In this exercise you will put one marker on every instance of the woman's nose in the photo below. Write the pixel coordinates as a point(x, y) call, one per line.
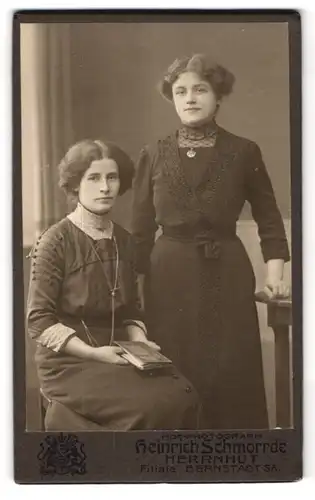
point(104, 186)
point(190, 97)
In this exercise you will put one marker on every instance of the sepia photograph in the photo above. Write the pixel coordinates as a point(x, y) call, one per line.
point(156, 167)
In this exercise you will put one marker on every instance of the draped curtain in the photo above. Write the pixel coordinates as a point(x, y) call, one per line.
point(46, 109)
point(46, 127)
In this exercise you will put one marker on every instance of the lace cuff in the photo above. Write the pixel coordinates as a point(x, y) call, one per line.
point(56, 336)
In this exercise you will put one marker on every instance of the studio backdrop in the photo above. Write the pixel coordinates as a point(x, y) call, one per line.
point(100, 81)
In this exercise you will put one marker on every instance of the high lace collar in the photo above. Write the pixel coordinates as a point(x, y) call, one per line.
point(95, 225)
point(198, 133)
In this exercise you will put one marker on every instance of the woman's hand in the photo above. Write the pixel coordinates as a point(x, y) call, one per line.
point(276, 288)
point(151, 344)
point(109, 354)
point(136, 334)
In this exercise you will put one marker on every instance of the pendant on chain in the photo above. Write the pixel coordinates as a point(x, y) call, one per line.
point(191, 153)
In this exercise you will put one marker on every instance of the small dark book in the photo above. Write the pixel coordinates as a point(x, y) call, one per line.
point(143, 356)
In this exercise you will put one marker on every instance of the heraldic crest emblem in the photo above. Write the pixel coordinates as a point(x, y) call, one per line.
point(62, 454)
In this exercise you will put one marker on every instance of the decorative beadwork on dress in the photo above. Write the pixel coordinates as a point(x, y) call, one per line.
point(182, 193)
point(192, 208)
point(40, 266)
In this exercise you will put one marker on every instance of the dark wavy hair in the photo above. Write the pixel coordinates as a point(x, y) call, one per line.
point(220, 79)
point(79, 158)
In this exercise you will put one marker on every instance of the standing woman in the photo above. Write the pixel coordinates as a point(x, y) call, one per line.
point(83, 297)
point(197, 281)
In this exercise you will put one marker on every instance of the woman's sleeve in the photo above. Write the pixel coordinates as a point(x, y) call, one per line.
point(143, 213)
point(44, 292)
point(260, 194)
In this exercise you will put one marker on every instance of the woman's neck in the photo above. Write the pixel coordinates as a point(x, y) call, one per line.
point(92, 220)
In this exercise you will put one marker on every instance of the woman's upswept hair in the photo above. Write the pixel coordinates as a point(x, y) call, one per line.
point(220, 79)
point(79, 158)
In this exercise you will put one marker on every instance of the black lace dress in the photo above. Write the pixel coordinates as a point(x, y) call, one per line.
point(200, 283)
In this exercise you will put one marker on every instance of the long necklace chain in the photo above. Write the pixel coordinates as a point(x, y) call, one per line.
point(113, 292)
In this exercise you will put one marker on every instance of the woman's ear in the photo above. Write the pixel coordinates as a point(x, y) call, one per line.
point(75, 194)
point(73, 198)
point(217, 107)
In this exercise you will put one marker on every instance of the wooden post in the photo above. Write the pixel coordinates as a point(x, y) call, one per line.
point(280, 319)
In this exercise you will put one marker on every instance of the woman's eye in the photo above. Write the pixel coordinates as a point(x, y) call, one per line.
point(112, 177)
point(201, 90)
point(94, 177)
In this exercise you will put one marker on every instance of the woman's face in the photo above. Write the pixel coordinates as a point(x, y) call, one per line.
point(99, 186)
point(194, 99)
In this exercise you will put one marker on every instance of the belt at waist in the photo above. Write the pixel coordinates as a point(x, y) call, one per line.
point(206, 238)
point(94, 331)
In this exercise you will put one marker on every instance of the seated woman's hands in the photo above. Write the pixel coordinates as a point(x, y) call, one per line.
point(150, 343)
point(112, 354)
point(136, 334)
point(109, 354)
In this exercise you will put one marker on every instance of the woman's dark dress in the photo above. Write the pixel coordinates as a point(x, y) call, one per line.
point(200, 283)
point(67, 285)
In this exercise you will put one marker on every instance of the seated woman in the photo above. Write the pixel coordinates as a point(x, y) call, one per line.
point(82, 298)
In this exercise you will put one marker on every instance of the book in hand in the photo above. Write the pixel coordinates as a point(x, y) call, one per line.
point(143, 356)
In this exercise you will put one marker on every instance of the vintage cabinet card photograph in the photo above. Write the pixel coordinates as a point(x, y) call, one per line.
point(157, 240)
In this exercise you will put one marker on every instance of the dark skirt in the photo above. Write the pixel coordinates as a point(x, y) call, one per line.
point(89, 395)
point(203, 314)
